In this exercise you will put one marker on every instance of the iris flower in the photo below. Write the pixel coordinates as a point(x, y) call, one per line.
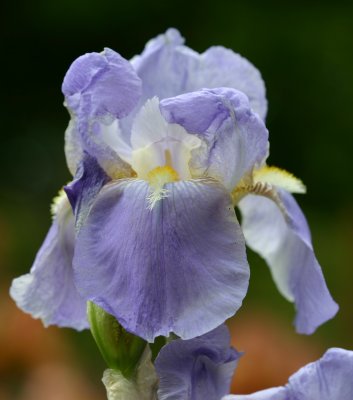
point(162, 148)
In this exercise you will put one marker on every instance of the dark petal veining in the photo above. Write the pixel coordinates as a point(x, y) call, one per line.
point(180, 267)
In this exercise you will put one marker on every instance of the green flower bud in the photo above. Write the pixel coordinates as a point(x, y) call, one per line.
point(121, 350)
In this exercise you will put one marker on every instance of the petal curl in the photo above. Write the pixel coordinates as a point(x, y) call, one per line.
point(197, 369)
point(236, 138)
point(284, 242)
point(73, 147)
point(82, 191)
point(329, 378)
point(168, 68)
point(97, 84)
point(99, 88)
point(48, 292)
point(180, 267)
point(101, 139)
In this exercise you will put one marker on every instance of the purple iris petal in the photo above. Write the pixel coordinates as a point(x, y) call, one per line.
point(197, 369)
point(236, 138)
point(330, 378)
point(97, 84)
point(180, 267)
point(98, 88)
point(99, 139)
point(168, 68)
point(48, 291)
point(286, 246)
point(82, 191)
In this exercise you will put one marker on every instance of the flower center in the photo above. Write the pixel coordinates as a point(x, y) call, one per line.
point(157, 143)
point(170, 152)
point(157, 178)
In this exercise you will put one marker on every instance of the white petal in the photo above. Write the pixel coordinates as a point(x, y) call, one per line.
point(157, 143)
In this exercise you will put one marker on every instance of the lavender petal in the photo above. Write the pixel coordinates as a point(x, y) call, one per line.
point(48, 292)
point(180, 267)
point(236, 138)
point(197, 369)
point(169, 68)
point(284, 242)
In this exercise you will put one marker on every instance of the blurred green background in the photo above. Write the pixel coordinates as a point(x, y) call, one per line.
point(304, 51)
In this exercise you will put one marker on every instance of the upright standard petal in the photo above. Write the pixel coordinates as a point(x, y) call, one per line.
point(48, 292)
point(235, 138)
point(97, 84)
point(330, 378)
point(99, 88)
point(180, 267)
point(282, 238)
point(197, 369)
point(168, 68)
